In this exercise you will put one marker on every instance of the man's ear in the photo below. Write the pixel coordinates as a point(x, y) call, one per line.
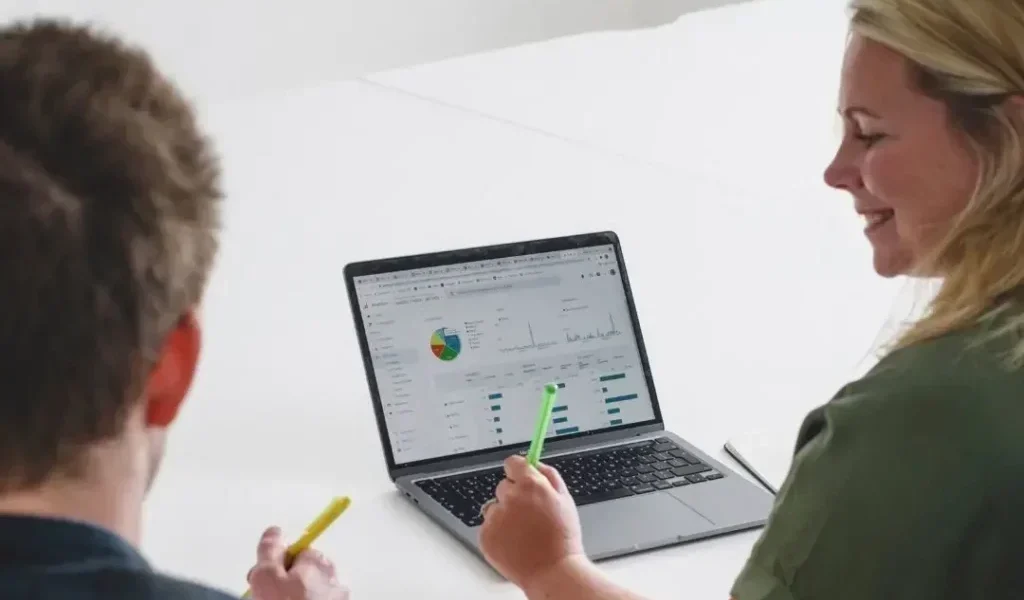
point(171, 377)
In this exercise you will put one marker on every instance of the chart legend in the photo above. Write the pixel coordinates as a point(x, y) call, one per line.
point(445, 344)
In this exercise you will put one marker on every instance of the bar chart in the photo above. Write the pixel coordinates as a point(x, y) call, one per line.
point(617, 392)
point(560, 420)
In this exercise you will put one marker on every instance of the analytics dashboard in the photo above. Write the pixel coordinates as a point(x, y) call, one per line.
point(461, 353)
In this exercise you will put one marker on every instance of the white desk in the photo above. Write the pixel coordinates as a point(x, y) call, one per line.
point(757, 302)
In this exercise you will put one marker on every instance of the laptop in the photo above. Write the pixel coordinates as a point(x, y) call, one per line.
point(458, 346)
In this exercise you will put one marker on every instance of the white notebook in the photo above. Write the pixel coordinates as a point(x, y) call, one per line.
point(766, 456)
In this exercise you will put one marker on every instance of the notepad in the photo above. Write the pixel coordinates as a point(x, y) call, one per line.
point(765, 455)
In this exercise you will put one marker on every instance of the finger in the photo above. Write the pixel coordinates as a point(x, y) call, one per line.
point(487, 506)
point(554, 478)
point(502, 491)
point(526, 475)
point(265, 578)
point(312, 567)
point(516, 468)
point(271, 548)
point(492, 516)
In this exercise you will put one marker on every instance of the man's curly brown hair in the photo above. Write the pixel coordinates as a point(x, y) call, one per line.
point(109, 216)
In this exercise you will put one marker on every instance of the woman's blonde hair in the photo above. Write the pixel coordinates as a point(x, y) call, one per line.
point(968, 54)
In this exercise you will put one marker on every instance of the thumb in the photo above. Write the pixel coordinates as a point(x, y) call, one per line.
point(553, 477)
point(271, 548)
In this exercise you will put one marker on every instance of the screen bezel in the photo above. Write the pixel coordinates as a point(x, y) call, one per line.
point(483, 253)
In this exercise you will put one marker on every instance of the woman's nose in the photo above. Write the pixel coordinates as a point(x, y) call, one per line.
point(842, 173)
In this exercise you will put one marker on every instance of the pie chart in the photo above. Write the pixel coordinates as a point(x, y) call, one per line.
point(445, 344)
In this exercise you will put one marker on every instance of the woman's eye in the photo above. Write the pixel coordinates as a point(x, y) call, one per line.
point(869, 139)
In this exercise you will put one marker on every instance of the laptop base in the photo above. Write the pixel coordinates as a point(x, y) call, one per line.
point(640, 522)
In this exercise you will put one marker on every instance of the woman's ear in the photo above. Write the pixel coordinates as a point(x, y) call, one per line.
point(1015, 106)
point(171, 377)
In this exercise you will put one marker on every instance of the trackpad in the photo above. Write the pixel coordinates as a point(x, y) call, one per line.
point(638, 521)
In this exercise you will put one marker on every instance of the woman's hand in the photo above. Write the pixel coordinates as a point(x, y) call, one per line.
point(532, 527)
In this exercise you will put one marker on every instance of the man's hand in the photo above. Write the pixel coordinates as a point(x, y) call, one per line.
point(311, 577)
point(532, 526)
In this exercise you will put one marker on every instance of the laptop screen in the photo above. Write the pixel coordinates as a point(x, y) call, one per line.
point(461, 352)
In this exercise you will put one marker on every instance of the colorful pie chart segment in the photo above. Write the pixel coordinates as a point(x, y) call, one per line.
point(445, 344)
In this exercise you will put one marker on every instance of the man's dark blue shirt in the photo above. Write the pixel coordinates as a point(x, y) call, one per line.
point(53, 559)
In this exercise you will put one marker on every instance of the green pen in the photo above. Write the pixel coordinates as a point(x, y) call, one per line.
point(546, 406)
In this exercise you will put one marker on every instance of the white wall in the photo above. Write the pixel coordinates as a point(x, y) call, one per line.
point(220, 48)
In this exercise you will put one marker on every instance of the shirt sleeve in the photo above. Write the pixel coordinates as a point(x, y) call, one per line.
point(793, 525)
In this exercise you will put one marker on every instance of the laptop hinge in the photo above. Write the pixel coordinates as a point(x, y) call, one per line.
point(551, 448)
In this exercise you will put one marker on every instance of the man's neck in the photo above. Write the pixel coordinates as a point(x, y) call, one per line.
point(105, 498)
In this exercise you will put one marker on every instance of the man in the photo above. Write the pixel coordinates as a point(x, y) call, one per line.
point(109, 218)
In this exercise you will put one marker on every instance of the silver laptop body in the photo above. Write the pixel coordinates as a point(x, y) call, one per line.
point(457, 346)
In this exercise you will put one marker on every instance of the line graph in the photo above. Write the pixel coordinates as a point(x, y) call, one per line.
point(570, 335)
point(596, 334)
point(533, 345)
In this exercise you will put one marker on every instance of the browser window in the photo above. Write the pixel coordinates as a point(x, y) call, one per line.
point(460, 353)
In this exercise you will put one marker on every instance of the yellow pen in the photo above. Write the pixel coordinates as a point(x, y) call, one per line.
point(313, 531)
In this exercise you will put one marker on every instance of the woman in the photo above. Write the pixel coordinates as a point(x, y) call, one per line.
point(908, 484)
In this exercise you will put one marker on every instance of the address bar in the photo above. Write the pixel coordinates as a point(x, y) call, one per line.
point(506, 286)
point(492, 271)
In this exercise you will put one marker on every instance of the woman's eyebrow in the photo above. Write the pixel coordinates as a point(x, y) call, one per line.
point(851, 111)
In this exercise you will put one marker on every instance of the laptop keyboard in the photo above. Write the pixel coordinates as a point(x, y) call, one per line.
point(592, 476)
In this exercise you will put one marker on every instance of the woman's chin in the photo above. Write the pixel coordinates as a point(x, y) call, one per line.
point(891, 262)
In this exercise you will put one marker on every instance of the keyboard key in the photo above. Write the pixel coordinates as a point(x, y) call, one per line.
point(664, 446)
point(648, 478)
point(661, 466)
point(645, 469)
point(683, 454)
point(680, 483)
point(643, 489)
point(603, 496)
point(713, 476)
point(661, 456)
point(678, 462)
point(664, 475)
point(695, 478)
point(662, 485)
point(689, 470)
